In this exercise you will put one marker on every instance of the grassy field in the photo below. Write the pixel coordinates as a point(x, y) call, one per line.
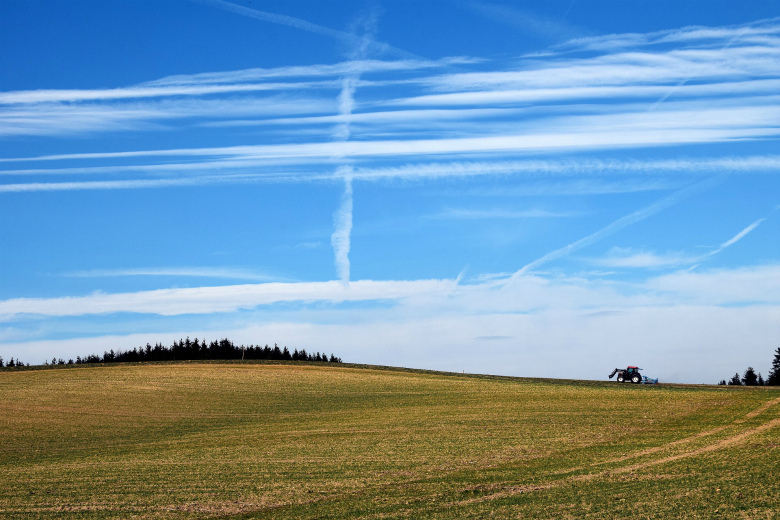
point(291, 440)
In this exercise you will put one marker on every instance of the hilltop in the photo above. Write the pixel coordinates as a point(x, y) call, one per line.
point(305, 440)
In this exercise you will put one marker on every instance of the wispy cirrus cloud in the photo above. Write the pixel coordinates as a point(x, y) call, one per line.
point(759, 32)
point(747, 285)
point(578, 175)
point(628, 258)
point(53, 119)
point(618, 225)
point(622, 258)
point(530, 23)
point(206, 300)
point(225, 273)
point(631, 130)
point(324, 70)
point(349, 38)
point(567, 92)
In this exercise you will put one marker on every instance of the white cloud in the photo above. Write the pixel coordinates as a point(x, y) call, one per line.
point(627, 69)
point(65, 118)
point(585, 173)
point(747, 125)
point(199, 272)
point(630, 258)
point(761, 31)
point(530, 293)
point(205, 300)
point(618, 225)
point(335, 70)
point(747, 285)
point(547, 327)
point(494, 95)
point(132, 184)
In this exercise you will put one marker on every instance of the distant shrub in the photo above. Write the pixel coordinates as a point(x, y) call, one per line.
point(735, 380)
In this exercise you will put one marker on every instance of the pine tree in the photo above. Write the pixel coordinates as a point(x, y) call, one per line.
point(761, 381)
point(773, 378)
point(750, 378)
point(736, 380)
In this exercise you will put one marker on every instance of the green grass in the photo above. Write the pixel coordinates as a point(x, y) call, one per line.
point(276, 440)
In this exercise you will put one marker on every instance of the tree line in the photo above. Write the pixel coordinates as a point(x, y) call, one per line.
point(751, 378)
point(192, 350)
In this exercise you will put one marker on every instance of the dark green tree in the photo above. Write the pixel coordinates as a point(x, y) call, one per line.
point(736, 380)
point(749, 378)
point(773, 378)
point(761, 381)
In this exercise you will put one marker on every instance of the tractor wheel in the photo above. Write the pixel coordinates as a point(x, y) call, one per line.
point(636, 379)
point(620, 378)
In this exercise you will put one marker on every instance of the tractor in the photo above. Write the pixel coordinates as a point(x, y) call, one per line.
point(627, 375)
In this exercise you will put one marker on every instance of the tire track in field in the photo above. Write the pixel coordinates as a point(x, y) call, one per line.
point(725, 443)
point(761, 409)
point(717, 445)
point(649, 451)
point(507, 489)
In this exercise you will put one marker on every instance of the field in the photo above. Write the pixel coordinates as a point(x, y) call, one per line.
point(264, 440)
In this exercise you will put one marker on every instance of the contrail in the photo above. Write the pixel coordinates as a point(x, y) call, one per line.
point(619, 224)
point(685, 80)
point(348, 38)
point(728, 243)
point(342, 220)
point(736, 238)
point(346, 105)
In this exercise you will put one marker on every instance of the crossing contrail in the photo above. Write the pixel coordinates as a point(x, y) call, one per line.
point(350, 39)
point(619, 224)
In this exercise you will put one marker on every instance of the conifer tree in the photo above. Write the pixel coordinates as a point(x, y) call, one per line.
point(773, 378)
point(749, 378)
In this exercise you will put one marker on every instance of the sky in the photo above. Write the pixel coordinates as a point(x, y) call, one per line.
point(541, 189)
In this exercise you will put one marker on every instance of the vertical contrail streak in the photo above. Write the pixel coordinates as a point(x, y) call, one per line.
point(342, 221)
point(342, 218)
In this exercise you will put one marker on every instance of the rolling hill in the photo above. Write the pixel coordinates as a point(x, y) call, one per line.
point(306, 440)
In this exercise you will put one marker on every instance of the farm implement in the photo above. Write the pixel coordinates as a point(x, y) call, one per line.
point(632, 375)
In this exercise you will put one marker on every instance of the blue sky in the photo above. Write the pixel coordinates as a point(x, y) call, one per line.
point(521, 188)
